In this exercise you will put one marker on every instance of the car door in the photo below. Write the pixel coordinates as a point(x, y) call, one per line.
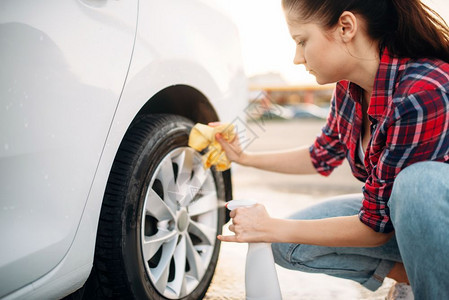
point(63, 67)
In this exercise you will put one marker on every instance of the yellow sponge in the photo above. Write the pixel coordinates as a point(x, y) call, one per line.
point(203, 136)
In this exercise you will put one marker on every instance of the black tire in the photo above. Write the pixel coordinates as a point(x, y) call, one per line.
point(122, 268)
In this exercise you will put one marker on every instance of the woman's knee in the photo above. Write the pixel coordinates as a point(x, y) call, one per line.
point(292, 256)
point(281, 254)
point(416, 182)
point(404, 186)
point(302, 257)
point(416, 190)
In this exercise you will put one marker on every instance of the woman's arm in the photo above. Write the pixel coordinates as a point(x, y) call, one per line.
point(253, 224)
point(346, 231)
point(294, 161)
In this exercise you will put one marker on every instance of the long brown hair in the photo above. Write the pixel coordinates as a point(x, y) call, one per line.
point(407, 28)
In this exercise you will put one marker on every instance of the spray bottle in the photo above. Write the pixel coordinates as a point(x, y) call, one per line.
point(261, 280)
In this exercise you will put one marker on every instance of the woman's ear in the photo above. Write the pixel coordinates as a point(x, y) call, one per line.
point(347, 26)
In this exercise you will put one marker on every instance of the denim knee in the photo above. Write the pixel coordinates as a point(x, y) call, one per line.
point(411, 186)
point(300, 257)
point(280, 253)
point(283, 255)
point(403, 184)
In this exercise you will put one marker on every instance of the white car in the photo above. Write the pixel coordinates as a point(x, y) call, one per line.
point(100, 197)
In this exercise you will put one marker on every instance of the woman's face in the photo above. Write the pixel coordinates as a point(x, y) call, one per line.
point(321, 52)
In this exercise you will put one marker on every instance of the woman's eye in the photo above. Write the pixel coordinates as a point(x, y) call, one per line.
point(301, 43)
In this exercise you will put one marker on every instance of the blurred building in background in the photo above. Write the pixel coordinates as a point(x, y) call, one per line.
point(272, 97)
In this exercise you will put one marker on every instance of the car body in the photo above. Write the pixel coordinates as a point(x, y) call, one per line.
point(75, 75)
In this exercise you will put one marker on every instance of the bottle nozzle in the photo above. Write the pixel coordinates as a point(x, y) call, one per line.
point(233, 204)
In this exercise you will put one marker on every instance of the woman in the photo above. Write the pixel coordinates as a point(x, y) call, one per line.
point(390, 118)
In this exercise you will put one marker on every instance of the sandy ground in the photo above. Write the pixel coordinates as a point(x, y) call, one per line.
point(282, 195)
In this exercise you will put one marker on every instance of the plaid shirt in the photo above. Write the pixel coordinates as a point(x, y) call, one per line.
point(409, 114)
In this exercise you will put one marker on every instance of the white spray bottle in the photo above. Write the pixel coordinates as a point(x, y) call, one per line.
point(261, 280)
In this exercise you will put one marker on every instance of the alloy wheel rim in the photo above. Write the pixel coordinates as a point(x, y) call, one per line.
point(179, 223)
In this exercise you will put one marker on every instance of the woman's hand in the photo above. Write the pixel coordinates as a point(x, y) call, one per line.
point(250, 225)
point(232, 148)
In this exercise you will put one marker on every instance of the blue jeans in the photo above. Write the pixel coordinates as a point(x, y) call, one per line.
point(419, 209)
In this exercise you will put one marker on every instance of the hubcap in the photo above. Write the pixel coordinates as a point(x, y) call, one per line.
point(179, 223)
point(183, 220)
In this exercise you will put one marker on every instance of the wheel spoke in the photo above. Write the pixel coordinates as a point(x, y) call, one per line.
point(198, 184)
point(157, 207)
point(204, 204)
point(161, 282)
point(180, 265)
point(186, 190)
point(167, 178)
point(200, 175)
point(187, 185)
point(152, 244)
point(184, 286)
point(205, 233)
point(162, 270)
point(197, 267)
point(185, 162)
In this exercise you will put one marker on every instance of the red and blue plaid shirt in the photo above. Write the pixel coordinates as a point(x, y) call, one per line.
point(409, 114)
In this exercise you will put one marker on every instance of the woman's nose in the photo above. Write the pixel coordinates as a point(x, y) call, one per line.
point(299, 57)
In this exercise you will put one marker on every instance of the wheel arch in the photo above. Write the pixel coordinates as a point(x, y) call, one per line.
point(182, 100)
point(186, 101)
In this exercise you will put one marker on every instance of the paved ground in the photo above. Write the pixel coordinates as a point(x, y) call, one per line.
point(282, 195)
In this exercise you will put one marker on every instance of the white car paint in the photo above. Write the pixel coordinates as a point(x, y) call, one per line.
point(74, 74)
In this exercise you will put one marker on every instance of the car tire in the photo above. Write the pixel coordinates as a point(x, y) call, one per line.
point(160, 216)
